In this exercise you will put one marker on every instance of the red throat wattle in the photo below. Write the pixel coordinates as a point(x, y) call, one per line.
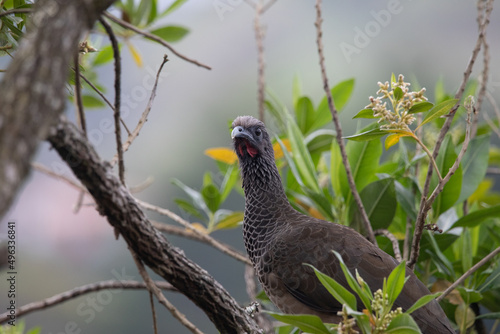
point(252, 151)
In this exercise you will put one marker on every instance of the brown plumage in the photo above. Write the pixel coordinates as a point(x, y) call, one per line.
point(279, 240)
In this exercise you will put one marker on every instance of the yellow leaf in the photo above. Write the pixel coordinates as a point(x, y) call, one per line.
point(222, 154)
point(393, 139)
point(135, 54)
point(199, 227)
point(233, 220)
point(278, 152)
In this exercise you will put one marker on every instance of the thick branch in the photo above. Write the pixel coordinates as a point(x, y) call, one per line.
point(33, 88)
point(122, 211)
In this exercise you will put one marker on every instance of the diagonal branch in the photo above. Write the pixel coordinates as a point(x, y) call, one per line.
point(424, 209)
point(333, 110)
point(152, 37)
point(79, 291)
point(259, 38)
point(114, 201)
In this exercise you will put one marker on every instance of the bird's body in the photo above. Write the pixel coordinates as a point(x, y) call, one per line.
point(279, 240)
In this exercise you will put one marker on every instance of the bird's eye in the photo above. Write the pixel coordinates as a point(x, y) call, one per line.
point(258, 132)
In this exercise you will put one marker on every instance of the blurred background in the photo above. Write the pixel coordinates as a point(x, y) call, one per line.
point(59, 250)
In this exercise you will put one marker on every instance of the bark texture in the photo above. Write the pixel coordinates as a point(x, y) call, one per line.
point(124, 214)
point(32, 90)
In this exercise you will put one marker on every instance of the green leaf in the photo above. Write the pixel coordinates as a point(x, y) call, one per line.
point(364, 159)
point(341, 94)
point(424, 300)
point(301, 156)
point(379, 200)
point(477, 217)
point(306, 322)
point(368, 135)
point(341, 294)
point(465, 249)
point(175, 5)
point(365, 113)
point(403, 324)
point(211, 196)
point(437, 256)
point(396, 281)
point(230, 179)
point(337, 169)
point(474, 165)
point(365, 296)
point(398, 93)
point(451, 191)
point(420, 107)
point(188, 207)
point(438, 111)
point(195, 196)
point(232, 220)
point(494, 278)
point(104, 55)
point(296, 91)
point(153, 13)
point(171, 33)
point(406, 199)
point(304, 112)
point(470, 295)
point(493, 315)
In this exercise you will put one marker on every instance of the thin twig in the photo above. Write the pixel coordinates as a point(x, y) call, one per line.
point(80, 113)
point(468, 273)
point(76, 292)
point(116, 114)
point(426, 204)
point(161, 298)
point(259, 38)
point(41, 168)
point(104, 98)
point(424, 208)
point(144, 116)
point(205, 237)
point(154, 38)
point(333, 110)
point(153, 311)
point(16, 11)
point(394, 241)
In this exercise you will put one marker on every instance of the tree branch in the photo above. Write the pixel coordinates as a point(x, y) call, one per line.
point(468, 273)
point(79, 291)
point(333, 110)
point(153, 38)
point(30, 106)
point(259, 38)
point(116, 114)
point(394, 241)
point(114, 201)
point(424, 209)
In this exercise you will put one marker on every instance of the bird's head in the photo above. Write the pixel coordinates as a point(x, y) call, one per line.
point(250, 138)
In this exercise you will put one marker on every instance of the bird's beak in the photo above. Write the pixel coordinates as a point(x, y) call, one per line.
point(239, 131)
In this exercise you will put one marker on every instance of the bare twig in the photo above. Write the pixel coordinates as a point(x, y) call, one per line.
point(16, 11)
point(154, 38)
point(424, 207)
point(394, 241)
point(205, 237)
point(333, 110)
point(79, 291)
point(153, 311)
point(116, 114)
point(259, 38)
point(468, 273)
point(161, 298)
point(427, 203)
point(104, 98)
point(41, 168)
point(80, 113)
point(144, 116)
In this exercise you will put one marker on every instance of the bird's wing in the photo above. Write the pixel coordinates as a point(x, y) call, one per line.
point(305, 245)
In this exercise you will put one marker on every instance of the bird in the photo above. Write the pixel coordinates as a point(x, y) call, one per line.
point(279, 240)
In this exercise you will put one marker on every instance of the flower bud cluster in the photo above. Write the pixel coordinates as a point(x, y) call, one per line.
point(399, 117)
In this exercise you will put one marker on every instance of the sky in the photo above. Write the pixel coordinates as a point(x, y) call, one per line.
point(60, 249)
